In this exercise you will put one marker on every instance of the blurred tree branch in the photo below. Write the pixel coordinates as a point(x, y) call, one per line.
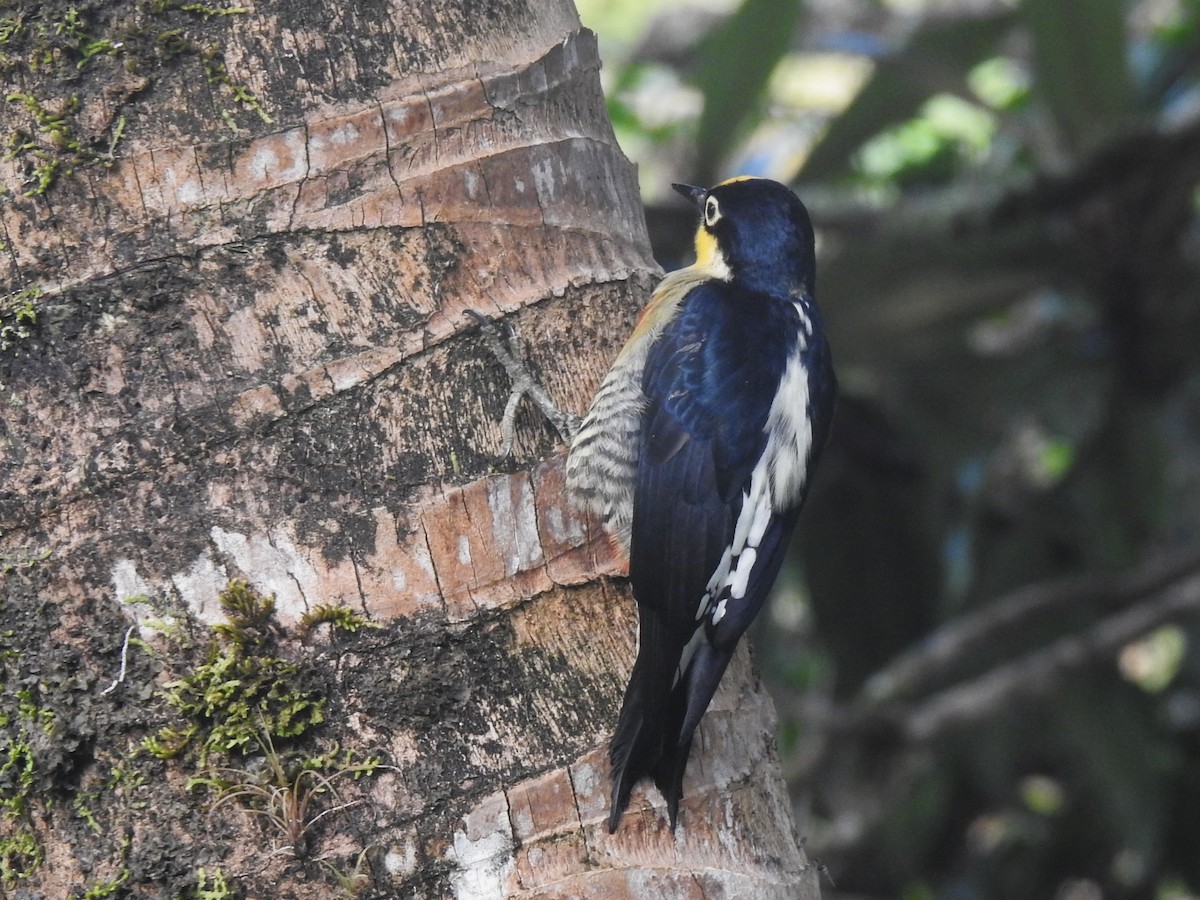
point(1158, 593)
point(1041, 671)
point(960, 640)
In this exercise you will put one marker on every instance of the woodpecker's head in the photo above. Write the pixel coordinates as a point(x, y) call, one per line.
point(754, 231)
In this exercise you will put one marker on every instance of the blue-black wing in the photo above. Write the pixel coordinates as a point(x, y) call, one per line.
point(709, 381)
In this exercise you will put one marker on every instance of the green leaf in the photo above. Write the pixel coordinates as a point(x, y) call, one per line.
point(1153, 661)
point(937, 59)
point(735, 62)
point(1042, 794)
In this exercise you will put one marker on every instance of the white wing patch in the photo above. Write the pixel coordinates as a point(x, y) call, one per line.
point(776, 484)
point(740, 579)
point(719, 576)
point(732, 574)
point(789, 429)
point(689, 650)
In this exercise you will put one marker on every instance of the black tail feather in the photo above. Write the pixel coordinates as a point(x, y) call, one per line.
point(641, 735)
point(688, 704)
point(668, 776)
point(635, 746)
point(658, 721)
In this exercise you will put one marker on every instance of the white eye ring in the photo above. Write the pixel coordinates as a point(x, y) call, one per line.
point(712, 212)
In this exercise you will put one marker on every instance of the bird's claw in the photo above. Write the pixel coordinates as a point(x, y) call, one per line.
point(506, 345)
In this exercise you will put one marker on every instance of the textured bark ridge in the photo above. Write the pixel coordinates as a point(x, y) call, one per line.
point(251, 360)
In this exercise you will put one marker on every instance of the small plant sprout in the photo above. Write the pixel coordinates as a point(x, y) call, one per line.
point(284, 799)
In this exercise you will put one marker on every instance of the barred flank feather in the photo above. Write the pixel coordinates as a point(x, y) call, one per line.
point(602, 464)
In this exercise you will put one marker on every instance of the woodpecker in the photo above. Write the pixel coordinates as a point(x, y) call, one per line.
point(697, 453)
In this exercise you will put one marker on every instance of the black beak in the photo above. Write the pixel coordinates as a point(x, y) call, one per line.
point(696, 195)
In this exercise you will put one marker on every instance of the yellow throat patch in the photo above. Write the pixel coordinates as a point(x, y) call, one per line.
point(709, 258)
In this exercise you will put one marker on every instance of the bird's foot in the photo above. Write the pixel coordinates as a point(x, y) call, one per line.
point(506, 346)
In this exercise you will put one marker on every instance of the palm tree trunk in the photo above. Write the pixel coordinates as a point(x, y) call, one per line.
point(237, 268)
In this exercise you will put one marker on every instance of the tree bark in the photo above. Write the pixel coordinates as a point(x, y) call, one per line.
point(249, 267)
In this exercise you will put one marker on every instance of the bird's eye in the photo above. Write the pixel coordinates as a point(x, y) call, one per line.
point(712, 212)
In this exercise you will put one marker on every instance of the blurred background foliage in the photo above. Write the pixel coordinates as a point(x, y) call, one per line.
point(985, 652)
